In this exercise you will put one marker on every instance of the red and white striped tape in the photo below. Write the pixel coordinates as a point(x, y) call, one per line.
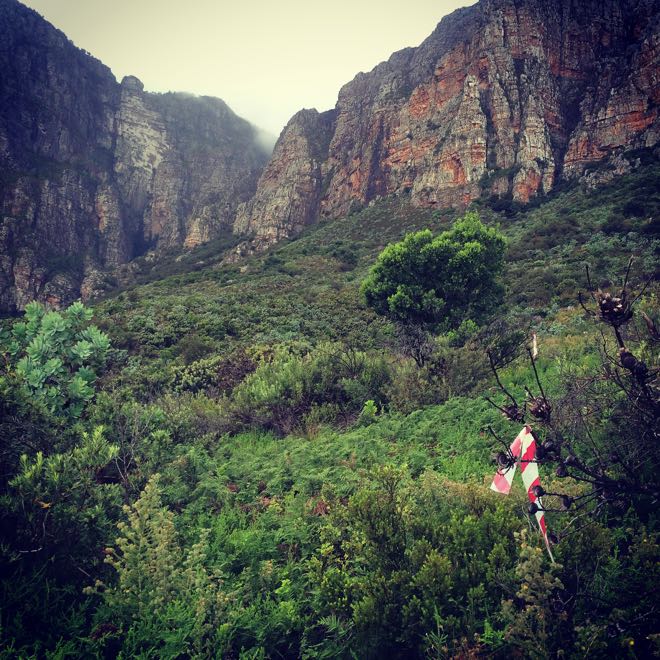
point(523, 449)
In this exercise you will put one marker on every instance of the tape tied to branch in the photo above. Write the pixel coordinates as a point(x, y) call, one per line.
point(523, 451)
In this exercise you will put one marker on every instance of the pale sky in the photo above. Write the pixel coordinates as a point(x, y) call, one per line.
point(266, 59)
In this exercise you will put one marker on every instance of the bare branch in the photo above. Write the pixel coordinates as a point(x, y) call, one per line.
point(625, 281)
point(499, 382)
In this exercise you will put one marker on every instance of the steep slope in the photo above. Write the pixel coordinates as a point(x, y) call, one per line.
point(93, 173)
point(291, 186)
point(308, 289)
point(506, 97)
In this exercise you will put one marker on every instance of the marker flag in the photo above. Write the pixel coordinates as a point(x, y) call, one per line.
point(523, 449)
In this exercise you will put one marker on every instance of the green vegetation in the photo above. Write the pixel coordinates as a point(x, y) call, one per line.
point(56, 357)
point(444, 281)
point(247, 461)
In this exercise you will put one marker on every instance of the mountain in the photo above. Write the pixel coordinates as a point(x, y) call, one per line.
point(94, 173)
point(248, 460)
point(505, 98)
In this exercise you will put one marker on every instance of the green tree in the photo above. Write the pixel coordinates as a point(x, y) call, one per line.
point(49, 363)
point(443, 281)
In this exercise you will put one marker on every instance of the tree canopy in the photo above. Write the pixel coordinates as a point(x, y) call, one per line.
point(440, 281)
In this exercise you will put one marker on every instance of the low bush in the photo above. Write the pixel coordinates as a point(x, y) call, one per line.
point(286, 387)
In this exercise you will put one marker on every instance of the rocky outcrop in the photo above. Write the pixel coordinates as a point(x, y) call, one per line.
point(94, 173)
point(504, 98)
point(291, 186)
point(182, 166)
point(621, 109)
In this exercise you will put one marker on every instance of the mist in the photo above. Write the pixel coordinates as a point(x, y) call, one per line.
point(265, 60)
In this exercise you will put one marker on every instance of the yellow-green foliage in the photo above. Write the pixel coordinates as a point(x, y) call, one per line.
point(532, 624)
point(330, 382)
point(159, 586)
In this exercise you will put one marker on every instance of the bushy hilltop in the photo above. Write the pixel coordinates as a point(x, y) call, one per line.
point(256, 467)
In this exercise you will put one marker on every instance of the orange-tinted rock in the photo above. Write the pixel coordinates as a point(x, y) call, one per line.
point(505, 97)
point(621, 110)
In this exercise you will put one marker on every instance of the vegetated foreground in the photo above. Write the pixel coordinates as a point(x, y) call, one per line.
point(255, 464)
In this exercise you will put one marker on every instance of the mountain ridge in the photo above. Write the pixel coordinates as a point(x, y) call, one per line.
point(97, 172)
point(504, 98)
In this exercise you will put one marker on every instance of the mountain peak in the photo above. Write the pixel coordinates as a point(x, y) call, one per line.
point(132, 83)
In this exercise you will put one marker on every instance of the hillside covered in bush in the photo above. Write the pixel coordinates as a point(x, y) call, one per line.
point(242, 459)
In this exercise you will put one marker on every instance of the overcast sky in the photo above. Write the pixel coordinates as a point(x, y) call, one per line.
point(266, 58)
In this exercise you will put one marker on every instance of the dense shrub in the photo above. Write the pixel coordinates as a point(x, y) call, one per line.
point(408, 567)
point(163, 601)
point(56, 356)
point(440, 281)
point(286, 386)
point(280, 528)
point(215, 375)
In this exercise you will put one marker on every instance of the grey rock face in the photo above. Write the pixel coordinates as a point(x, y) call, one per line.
point(291, 186)
point(93, 173)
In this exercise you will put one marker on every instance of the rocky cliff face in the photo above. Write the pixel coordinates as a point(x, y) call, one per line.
point(506, 97)
point(291, 186)
point(94, 173)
